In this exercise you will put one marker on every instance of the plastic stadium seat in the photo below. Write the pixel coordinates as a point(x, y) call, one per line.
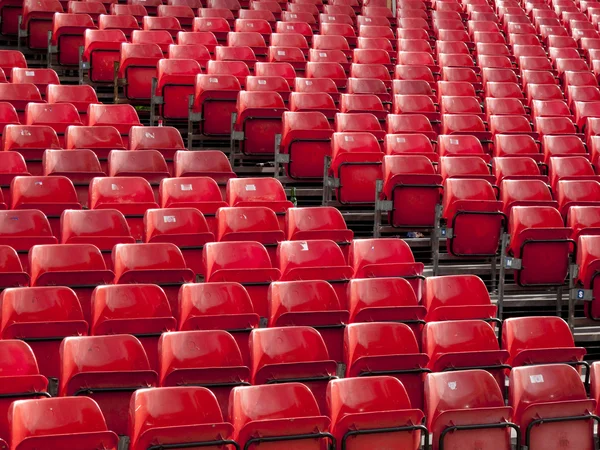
point(326, 85)
point(587, 261)
point(185, 227)
point(214, 102)
point(36, 22)
point(12, 164)
point(577, 191)
point(563, 145)
point(122, 117)
point(457, 297)
point(183, 13)
point(359, 122)
point(79, 166)
point(257, 25)
point(525, 192)
point(92, 9)
point(56, 423)
point(58, 116)
point(137, 67)
point(412, 186)
point(22, 229)
point(163, 23)
point(356, 407)
point(166, 140)
point(148, 164)
point(473, 400)
point(389, 348)
point(540, 340)
point(467, 166)
point(254, 223)
point(219, 306)
point(8, 116)
point(373, 258)
point(555, 395)
point(329, 55)
point(364, 103)
point(53, 313)
point(156, 263)
point(207, 163)
point(259, 192)
point(251, 40)
point(117, 366)
point(237, 68)
point(470, 209)
point(583, 220)
point(280, 69)
point(242, 56)
point(100, 139)
point(141, 310)
point(510, 145)
point(218, 26)
point(190, 358)
point(355, 156)
point(313, 102)
point(290, 413)
point(175, 83)
point(198, 417)
point(410, 123)
point(137, 10)
point(451, 346)
point(245, 262)
point(67, 37)
point(196, 52)
point(21, 375)
point(11, 270)
point(201, 193)
point(132, 196)
point(81, 97)
point(330, 70)
point(309, 303)
point(318, 223)
point(205, 38)
point(41, 78)
point(51, 195)
point(12, 59)
point(268, 83)
point(103, 228)
point(536, 231)
point(300, 354)
point(291, 55)
point(19, 95)
point(150, 6)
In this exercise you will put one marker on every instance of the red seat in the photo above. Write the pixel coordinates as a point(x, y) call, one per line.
point(81, 97)
point(214, 102)
point(313, 101)
point(103, 228)
point(218, 306)
point(355, 156)
point(356, 407)
point(78, 266)
point(201, 193)
point(141, 310)
point(540, 340)
point(175, 83)
point(197, 420)
point(563, 145)
point(268, 83)
point(470, 210)
point(51, 195)
point(289, 414)
point(587, 261)
point(451, 346)
point(536, 231)
point(148, 164)
point(56, 423)
point(8, 116)
point(36, 22)
point(183, 13)
point(309, 303)
point(300, 353)
point(41, 78)
point(249, 39)
point(207, 163)
point(156, 263)
point(19, 95)
point(291, 55)
point(555, 395)
point(254, 223)
point(67, 37)
point(259, 192)
point(411, 185)
point(11, 270)
point(195, 52)
point(100, 139)
point(22, 229)
point(132, 196)
point(11, 59)
point(205, 38)
point(330, 70)
point(525, 192)
point(137, 67)
point(516, 145)
point(92, 9)
point(53, 313)
point(218, 26)
point(79, 166)
point(185, 227)
point(577, 191)
point(58, 116)
point(245, 262)
point(121, 117)
point(457, 297)
point(473, 400)
point(388, 348)
point(109, 374)
point(137, 10)
point(359, 122)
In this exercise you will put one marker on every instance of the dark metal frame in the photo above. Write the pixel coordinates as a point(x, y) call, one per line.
point(351, 433)
point(293, 437)
point(195, 444)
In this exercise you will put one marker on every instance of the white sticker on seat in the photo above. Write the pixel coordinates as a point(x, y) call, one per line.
point(281, 52)
point(452, 385)
point(304, 246)
point(250, 187)
point(213, 80)
point(149, 135)
point(454, 141)
point(29, 73)
point(114, 187)
point(348, 138)
point(400, 140)
point(308, 82)
point(186, 187)
point(323, 55)
point(262, 82)
point(169, 219)
point(536, 378)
